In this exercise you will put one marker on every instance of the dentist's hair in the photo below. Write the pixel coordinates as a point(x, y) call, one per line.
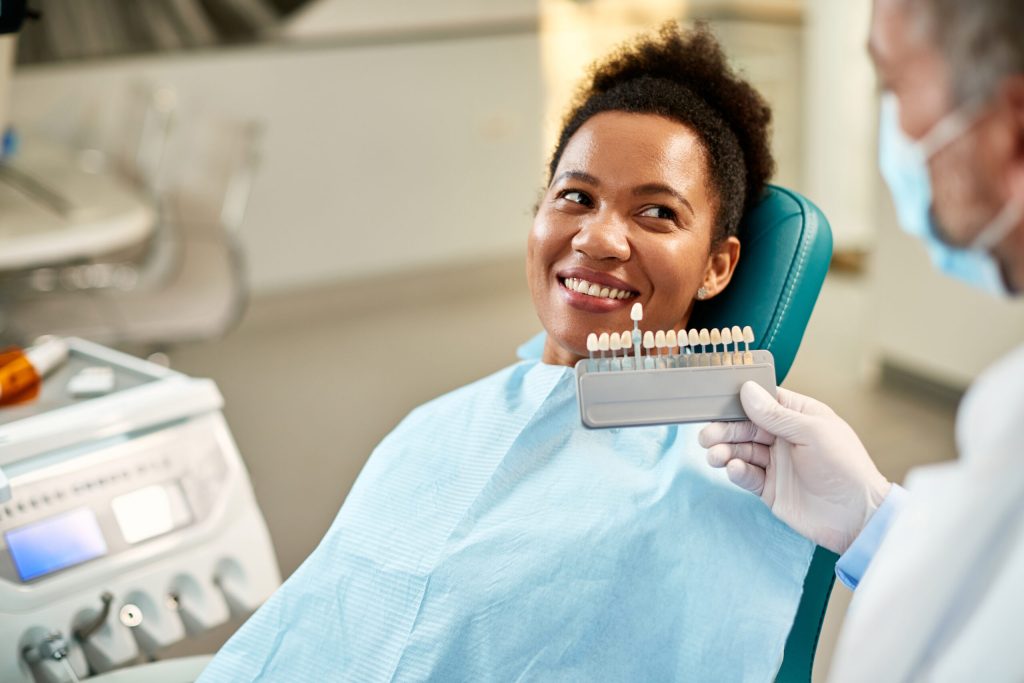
point(982, 41)
point(684, 75)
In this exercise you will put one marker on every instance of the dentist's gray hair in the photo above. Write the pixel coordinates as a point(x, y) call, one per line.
point(982, 41)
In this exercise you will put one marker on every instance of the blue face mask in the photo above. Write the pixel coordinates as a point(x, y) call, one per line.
point(904, 165)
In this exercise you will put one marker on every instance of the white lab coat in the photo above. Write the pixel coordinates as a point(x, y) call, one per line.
point(943, 600)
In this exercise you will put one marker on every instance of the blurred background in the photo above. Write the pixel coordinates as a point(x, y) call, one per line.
point(323, 206)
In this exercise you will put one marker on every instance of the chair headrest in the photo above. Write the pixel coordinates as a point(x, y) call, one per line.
point(785, 253)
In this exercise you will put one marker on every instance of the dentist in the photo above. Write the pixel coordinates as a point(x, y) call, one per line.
point(938, 567)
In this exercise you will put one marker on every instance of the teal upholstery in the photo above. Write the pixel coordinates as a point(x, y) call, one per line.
point(785, 253)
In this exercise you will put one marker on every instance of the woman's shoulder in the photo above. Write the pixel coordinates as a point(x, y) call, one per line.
point(488, 405)
point(507, 385)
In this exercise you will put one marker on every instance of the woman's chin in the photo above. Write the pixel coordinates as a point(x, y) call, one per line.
point(564, 348)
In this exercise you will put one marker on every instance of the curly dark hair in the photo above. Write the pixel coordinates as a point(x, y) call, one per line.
point(683, 75)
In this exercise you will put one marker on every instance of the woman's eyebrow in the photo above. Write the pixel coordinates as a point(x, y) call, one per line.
point(578, 175)
point(659, 188)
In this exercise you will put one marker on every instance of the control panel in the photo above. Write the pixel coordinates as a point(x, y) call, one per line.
point(140, 534)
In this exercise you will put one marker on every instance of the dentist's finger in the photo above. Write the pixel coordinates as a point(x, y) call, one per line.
point(733, 432)
point(765, 411)
point(746, 476)
point(758, 454)
point(802, 404)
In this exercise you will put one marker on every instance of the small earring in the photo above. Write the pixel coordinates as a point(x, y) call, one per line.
point(702, 293)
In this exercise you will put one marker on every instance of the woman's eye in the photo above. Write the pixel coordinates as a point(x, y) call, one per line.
point(576, 197)
point(662, 212)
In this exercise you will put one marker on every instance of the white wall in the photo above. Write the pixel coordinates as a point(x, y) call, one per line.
point(331, 17)
point(840, 146)
point(930, 324)
point(376, 158)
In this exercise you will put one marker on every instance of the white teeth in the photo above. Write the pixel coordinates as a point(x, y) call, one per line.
point(591, 289)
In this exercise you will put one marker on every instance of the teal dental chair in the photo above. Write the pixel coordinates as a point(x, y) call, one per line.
point(785, 253)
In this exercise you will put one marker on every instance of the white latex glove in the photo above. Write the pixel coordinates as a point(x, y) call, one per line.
point(803, 460)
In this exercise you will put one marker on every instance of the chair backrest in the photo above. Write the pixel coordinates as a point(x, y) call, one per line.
point(785, 253)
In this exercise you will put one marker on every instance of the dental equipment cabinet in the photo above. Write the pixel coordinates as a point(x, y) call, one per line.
point(127, 522)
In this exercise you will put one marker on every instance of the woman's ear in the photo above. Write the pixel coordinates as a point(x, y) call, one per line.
point(721, 265)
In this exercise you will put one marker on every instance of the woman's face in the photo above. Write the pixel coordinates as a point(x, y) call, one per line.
point(628, 217)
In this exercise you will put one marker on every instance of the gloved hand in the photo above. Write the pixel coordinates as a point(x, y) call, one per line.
point(803, 460)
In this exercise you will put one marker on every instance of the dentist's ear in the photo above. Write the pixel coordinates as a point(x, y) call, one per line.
point(721, 265)
point(1013, 95)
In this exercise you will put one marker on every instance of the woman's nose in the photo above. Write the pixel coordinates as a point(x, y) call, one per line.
point(603, 237)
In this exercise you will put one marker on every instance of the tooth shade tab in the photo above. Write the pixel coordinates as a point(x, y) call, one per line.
point(737, 334)
point(726, 337)
point(591, 342)
point(637, 312)
point(670, 339)
point(748, 335)
point(705, 337)
point(614, 342)
point(602, 342)
point(716, 337)
point(659, 339)
point(625, 339)
point(648, 340)
point(694, 338)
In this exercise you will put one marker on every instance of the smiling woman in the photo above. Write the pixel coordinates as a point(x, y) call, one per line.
point(491, 536)
point(659, 157)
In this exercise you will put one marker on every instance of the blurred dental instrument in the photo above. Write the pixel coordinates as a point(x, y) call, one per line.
point(22, 370)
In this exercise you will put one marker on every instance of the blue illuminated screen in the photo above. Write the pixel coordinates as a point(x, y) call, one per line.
point(55, 543)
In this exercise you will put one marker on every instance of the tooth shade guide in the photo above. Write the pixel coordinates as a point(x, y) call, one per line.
point(647, 396)
point(636, 313)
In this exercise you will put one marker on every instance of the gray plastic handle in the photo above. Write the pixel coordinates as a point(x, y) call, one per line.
point(701, 393)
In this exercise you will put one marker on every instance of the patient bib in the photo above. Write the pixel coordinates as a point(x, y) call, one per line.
point(492, 537)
